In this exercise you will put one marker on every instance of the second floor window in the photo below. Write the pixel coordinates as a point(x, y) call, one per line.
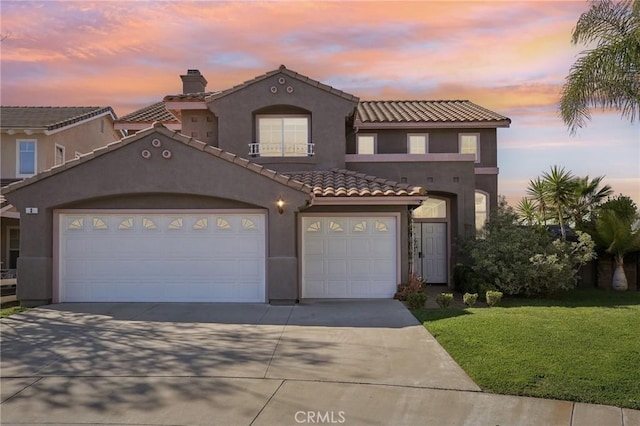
point(470, 144)
point(417, 144)
point(59, 155)
point(26, 158)
point(282, 136)
point(366, 144)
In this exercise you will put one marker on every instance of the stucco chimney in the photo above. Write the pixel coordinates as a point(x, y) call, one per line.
point(193, 82)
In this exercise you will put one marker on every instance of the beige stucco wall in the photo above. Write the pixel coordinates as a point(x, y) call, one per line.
point(83, 138)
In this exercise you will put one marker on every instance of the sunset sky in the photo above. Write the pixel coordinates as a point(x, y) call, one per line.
point(511, 57)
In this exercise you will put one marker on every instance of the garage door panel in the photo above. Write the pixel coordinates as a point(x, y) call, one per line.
point(349, 257)
point(162, 257)
point(336, 247)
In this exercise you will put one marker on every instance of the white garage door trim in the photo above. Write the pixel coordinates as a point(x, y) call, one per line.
point(195, 231)
point(355, 221)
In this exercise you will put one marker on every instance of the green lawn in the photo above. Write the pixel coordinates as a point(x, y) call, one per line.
point(582, 347)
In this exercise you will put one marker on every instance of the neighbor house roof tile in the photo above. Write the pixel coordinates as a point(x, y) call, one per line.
point(425, 111)
point(150, 114)
point(189, 97)
point(47, 118)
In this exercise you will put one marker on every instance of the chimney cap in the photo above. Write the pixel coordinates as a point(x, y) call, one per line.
point(192, 72)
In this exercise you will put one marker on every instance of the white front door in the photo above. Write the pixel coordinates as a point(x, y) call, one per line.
point(161, 257)
point(349, 256)
point(430, 251)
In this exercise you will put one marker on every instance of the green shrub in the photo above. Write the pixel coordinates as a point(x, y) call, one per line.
point(415, 285)
point(493, 297)
point(444, 299)
point(470, 299)
point(466, 280)
point(416, 300)
point(526, 260)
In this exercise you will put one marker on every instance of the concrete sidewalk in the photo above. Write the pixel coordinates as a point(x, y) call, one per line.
point(365, 362)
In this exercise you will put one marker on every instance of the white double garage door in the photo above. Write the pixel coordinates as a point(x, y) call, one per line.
point(216, 257)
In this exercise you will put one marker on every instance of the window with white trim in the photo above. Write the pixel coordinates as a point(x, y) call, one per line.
point(282, 136)
point(27, 158)
point(417, 143)
point(366, 144)
point(470, 144)
point(59, 155)
point(482, 209)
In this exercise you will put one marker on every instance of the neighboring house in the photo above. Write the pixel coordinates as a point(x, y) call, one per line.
point(278, 189)
point(33, 139)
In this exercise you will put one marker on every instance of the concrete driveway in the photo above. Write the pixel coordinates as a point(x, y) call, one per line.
point(364, 362)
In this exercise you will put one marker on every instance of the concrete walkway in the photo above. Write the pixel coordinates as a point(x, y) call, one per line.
point(365, 362)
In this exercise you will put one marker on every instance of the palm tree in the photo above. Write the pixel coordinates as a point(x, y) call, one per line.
point(620, 234)
point(607, 75)
point(538, 192)
point(559, 187)
point(528, 212)
point(588, 195)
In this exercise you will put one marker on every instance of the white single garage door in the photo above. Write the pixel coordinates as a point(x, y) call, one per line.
point(349, 257)
point(161, 257)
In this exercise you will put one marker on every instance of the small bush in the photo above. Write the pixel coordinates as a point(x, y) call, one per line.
point(415, 285)
point(470, 299)
point(444, 299)
point(493, 297)
point(416, 300)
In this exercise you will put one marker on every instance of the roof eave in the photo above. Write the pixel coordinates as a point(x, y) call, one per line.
point(432, 125)
point(390, 200)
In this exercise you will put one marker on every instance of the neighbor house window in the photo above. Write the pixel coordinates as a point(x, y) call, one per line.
point(482, 207)
point(417, 144)
point(366, 144)
point(282, 136)
point(59, 159)
point(27, 158)
point(470, 144)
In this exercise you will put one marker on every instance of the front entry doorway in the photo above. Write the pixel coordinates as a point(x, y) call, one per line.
point(430, 251)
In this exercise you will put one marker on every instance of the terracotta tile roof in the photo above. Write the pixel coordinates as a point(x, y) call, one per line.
point(189, 97)
point(424, 111)
point(346, 183)
point(47, 118)
point(150, 114)
point(282, 69)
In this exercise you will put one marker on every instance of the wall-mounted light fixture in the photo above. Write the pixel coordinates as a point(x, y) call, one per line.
point(280, 204)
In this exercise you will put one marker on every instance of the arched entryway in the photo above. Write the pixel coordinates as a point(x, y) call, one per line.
point(430, 240)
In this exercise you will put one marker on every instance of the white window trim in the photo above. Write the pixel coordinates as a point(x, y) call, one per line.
point(55, 154)
point(426, 143)
point(307, 116)
point(35, 158)
point(477, 135)
point(486, 206)
point(375, 143)
point(77, 155)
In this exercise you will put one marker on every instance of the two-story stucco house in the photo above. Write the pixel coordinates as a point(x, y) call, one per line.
point(278, 189)
point(33, 139)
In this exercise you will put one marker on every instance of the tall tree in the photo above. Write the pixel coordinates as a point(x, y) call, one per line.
point(606, 75)
point(589, 193)
point(619, 234)
point(538, 192)
point(560, 187)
